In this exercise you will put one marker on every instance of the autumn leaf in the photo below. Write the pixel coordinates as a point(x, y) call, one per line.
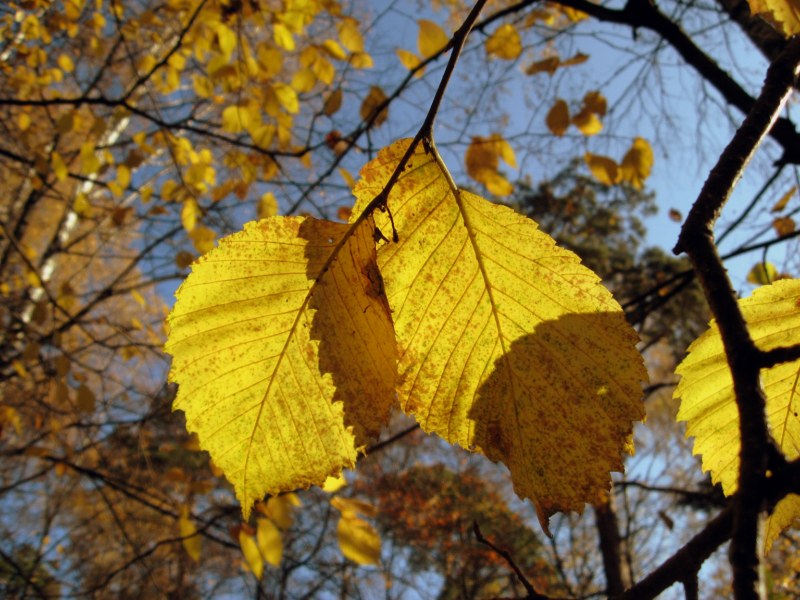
point(784, 200)
point(637, 163)
point(431, 38)
point(707, 398)
point(252, 555)
point(762, 273)
point(372, 103)
point(504, 43)
point(483, 161)
point(604, 169)
point(190, 540)
point(558, 118)
point(507, 345)
point(269, 542)
point(278, 338)
point(783, 14)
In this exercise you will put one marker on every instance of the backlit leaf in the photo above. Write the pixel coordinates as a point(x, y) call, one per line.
point(358, 540)
point(784, 200)
point(252, 556)
point(277, 408)
point(267, 206)
point(280, 509)
point(269, 541)
point(431, 38)
point(334, 484)
point(783, 14)
point(637, 163)
point(191, 541)
point(507, 344)
point(604, 169)
point(762, 273)
point(558, 118)
point(707, 399)
point(409, 60)
point(350, 35)
point(482, 160)
point(587, 122)
point(504, 43)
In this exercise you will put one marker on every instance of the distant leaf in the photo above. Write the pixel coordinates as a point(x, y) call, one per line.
point(353, 506)
point(277, 404)
point(189, 214)
point(409, 60)
point(431, 38)
point(483, 162)
point(587, 122)
point(280, 509)
point(332, 103)
point(707, 399)
point(235, 119)
point(269, 541)
point(783, 14)
point(504, 43)
point(191, 541)
point(358, 540)
point(507, 344)
point(558, 118)
point(334, 50)
point(371, 104)
point(85, 399)
point(548, 65)
point(267, 206)
point(595, 102)
point(334, 484)
point(637, 163)
point(784, 200)
point(604, 169)
point(59, 167)
point(252, 555)
point(784, 226)
point(203, 238)
point(762, 273)
point(675, 215)
point(350, 35)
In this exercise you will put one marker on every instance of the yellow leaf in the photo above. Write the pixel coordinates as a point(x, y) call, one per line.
point(483, 161)
point(283, 37)
point(267, 206)
point(280, 509)
point(334, 484)
point(203, 238)
point(23, 121)
point(507, 344)
point(604, 169)
point(334, 50)
point(191, 541)
point(123, 176)
point(762, 274)
point(353, 507)
point(287, 97)
point(587, 122)
point(707, 399)
point(189, 214)
point(59, 167)
point(361, 60)
point(359, 541)
point(226, 39)
point(303, 80)
point(784, 200)
point(270, 542)
point(235, 119)
point(504, 43)
point(65, 63)
point(348, 178)
point(274, 357)
point(252, 555)
point(783, 14)
point(350, 35)
point(431, 38)
point(558, 118)
point(372, 103)
point(409, 60)
point(637, 163)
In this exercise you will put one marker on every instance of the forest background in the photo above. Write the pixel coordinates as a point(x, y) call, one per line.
point(138, 134)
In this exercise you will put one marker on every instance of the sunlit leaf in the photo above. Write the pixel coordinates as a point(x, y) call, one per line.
point(783, 14)
point(272, 374)
point(707, 398)
point(504, 43)
point(637, 163)
point(587, 122)
point(358, 540)
point(191, 541)
point(431, 38)
point(409, 60)
point(507, 344)
point(267, 206)
point(604, 169)
point(762, 273)
point(280, 509)
point(270, 542)
point(334, 484)
point(482, 160)
point(252, 555)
